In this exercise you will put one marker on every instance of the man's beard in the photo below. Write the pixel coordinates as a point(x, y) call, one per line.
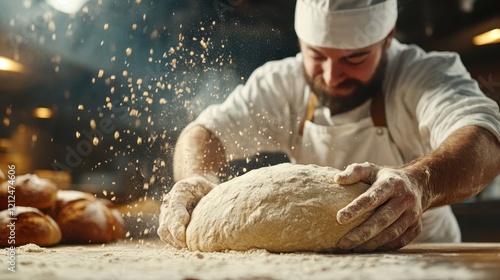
point(361, 93)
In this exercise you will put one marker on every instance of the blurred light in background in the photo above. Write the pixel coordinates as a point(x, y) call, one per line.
point(489, 37)
point(42, 113)
point(467, 6)
point(67, 6)
point(7, 64)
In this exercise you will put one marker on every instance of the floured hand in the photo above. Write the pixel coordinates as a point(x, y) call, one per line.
point(397, 202)
point(177, 206)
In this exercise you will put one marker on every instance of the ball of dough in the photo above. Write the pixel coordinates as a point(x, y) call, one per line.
point(86, 219)
point(31, 226)
point(30, 191)
point(281, 208)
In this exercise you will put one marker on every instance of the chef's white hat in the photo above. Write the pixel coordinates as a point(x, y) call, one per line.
point(344, 24)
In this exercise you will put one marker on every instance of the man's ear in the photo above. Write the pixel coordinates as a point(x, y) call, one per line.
point(389, 37)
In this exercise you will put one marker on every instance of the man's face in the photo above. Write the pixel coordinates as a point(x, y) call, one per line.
point(344, 79)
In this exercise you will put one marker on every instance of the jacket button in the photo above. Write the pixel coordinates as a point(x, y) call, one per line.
point(380, 131)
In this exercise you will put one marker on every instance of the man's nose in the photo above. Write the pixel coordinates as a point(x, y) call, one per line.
point(333, 74)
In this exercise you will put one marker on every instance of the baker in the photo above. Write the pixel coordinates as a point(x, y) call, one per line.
point(412, 124)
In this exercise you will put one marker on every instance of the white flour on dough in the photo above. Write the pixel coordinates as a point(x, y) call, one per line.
point(282, 208)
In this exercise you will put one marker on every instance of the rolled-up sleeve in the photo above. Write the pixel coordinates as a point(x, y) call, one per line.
point(258, 116)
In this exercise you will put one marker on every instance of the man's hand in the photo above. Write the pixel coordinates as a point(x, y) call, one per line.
point(177, 207)
point(396, 200)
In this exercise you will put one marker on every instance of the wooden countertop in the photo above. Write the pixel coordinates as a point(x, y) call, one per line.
point(151, 259)
point(477, 260)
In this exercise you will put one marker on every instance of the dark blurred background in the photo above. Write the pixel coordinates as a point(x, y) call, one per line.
point(101, 89)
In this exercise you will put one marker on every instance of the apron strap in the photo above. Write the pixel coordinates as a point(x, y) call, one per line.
point(377, 111)
point(311, 106)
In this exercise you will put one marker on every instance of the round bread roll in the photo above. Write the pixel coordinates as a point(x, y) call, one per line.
point(31, 226)
point(281, 208)
point(86, 219)
point(30, 191)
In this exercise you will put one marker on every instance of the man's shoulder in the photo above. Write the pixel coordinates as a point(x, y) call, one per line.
point(286, 66)
point(409, 56)
point(411, 67)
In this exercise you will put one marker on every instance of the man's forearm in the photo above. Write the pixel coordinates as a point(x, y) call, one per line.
point(459, 169)
point(198, 152)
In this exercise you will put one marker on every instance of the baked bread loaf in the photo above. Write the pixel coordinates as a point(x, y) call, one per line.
point(86, 219)
point(30, 191)
point(31, 226)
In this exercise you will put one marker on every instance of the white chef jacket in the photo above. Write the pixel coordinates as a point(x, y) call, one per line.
point(427, 96)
